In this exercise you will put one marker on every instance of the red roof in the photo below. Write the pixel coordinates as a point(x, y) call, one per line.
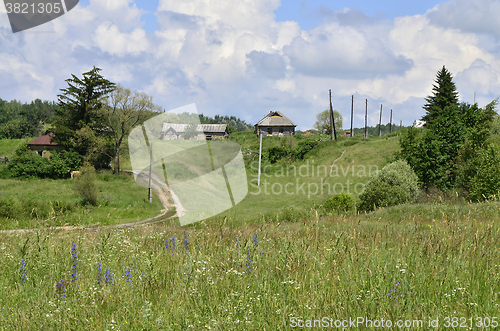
point(43, 140)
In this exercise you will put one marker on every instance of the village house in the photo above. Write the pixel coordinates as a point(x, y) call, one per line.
point(172, 131)
point(43, 145)
point(275, 124)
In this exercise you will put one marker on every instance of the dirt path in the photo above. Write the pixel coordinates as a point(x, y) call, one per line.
point(331, 167)
point(162, 195)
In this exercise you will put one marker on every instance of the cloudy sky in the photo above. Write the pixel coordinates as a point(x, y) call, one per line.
point(248, 57)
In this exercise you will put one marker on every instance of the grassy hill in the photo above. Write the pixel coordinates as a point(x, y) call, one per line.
point(273, 262)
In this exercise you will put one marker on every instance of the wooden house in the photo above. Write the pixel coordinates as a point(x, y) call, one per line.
point(172, 131)
point(275, 124)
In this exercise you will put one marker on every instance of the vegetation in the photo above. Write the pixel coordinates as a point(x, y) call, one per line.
point(234, 123)
point(18, 120)
point(394, 185)
point(444, 95)
point(265, 275)
point(322, 123)
point(455, 149)
point(340, 203)
point(85, 184)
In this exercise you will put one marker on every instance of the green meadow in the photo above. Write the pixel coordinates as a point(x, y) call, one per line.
point(275, 261)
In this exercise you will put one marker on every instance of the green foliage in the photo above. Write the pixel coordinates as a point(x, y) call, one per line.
point(80, 108)
point(396, 183)
point(340, 203)
point(444, 95)
point(485, 184)
point(19, 120)
point(86, 185)
point(323, 122)
point(231, 121)
point(305, 146)
point(276, 153)
point(27, 164)
point(62, 163)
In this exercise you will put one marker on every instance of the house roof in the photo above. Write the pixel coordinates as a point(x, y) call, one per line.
point(275, 118)
point(45, 140)
point(206, 128)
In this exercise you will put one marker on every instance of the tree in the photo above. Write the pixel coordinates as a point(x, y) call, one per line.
point(323, 121)
point(123, 111)
point(444, 94)
point(80, 105)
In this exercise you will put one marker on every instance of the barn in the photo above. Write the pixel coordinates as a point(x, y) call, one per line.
point(173, 131)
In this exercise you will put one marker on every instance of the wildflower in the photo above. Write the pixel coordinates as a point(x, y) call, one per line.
point(61, 288)
point(74, 276)
point(23, 271)
point(109, 276)
point(173, 244)
point(143, 276)
point(128, 274)
point(256, 240)
point(99, 274)
point(166, 243)
point(186, 241)
point(249, 262)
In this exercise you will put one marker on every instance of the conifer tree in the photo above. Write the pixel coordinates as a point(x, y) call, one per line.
point(444, 94)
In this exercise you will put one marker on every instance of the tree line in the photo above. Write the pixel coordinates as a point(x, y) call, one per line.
point(459, 146)
point(20, 120)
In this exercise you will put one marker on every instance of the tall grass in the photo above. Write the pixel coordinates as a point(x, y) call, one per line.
point(258, 276)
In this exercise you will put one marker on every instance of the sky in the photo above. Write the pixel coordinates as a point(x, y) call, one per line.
point(249, 57)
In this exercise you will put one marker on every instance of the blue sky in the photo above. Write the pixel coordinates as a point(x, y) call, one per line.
point(246, 58)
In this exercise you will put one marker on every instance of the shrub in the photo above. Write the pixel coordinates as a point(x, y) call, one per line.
point(341, 203)
point(278, 152)
point(396, 183)
point(304, 147)
point(86, 184)
point(486, 182)
point(62, 163)
point(28, 164)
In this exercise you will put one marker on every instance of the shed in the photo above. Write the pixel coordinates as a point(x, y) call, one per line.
point(275, 124)
point(43, 144)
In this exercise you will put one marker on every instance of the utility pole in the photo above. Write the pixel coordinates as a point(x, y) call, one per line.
point(260, 156)
point(150, 191)
point(333, 132)
point(390, 123)
point(366, 116)
point(400, 124)
point(352, 111)
point(380, 123)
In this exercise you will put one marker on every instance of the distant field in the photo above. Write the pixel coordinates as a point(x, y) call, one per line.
point(121, 201)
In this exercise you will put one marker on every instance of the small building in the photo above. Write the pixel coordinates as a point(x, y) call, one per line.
point(275, 124)
point(347, 134)
point(173, 131)
point(43, 145)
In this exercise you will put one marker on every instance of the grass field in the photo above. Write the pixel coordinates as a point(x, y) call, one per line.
point(260, 276)
point(272, 262)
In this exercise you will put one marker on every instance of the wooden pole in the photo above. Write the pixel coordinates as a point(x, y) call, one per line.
point(332, 120)
point(390, 123)
point(366, 117)
point(400, 124)
point(352, 112)
point(260, 156)
point(380, 123)
point(150, 191)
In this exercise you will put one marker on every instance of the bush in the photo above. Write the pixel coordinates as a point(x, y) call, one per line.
point(86, 184)
point(341, 203)
point(62, 163)
point(28, 164)
point(486, 182)
point(278, 152)
point(396, 183)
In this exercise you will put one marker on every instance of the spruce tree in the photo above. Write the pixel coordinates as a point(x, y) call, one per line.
point(444, 94)
point(79, 110)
